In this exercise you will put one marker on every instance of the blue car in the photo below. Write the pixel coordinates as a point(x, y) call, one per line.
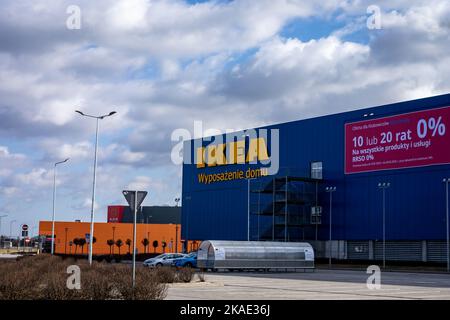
point(189, 261)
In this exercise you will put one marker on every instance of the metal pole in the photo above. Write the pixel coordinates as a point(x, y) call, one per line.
point(188, 199)
point(259, 206)
point(10, 229)
point(384, 228)
point(447, 209)
point(273, 213)
point(176, 237)
point(285, 210)
point(331, 217)
point(248, 210)
point(53, 215)
point(114, 239)
point(1, 228)
point(134, 239)
point(91, 237)
point(65, 242)
point(317, 203)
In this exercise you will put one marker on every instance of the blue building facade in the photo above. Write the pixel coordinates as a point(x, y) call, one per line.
point(222, 202)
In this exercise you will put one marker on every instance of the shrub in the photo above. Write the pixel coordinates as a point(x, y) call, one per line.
point(185, 275)
point(165, 274)
point(45, 277)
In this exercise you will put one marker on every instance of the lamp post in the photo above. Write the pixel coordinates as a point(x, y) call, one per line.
point(91, 236)
point(3, 216)
point(383, 186)
point(177, 201)
point(330, 190)
point(176, 237)
point(54, 201)
point(248, 207)
point(187, 198)
point(447, 181)
point(65, 241)
point(248, 210)
point(10, 228)
point(114, 239)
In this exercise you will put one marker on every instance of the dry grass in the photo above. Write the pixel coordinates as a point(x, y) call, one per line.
point(185, 275)
point(44, 277)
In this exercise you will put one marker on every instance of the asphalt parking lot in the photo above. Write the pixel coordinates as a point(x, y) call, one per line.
point(320, 284)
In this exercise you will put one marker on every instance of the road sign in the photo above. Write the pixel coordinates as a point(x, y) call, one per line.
point(24, 233)
point(87, 237)
point(134, 199)
point(24, 227)
point(130, 195)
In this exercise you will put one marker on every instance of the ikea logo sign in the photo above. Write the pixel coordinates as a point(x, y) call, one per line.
point(253, 146)
point(233, 153)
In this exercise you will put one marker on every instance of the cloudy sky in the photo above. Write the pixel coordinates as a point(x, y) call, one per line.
point(163, 64)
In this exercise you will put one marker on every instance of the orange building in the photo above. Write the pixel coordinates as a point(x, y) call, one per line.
point(66, 232)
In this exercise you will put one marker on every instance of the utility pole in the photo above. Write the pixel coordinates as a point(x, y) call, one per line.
point(383, 186)
point(330, 190)
point(54, 204)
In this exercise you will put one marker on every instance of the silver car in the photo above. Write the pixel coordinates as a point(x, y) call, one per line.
point(164, 259)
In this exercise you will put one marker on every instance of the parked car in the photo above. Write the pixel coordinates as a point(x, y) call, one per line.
point(164, 259)
point(188, 261)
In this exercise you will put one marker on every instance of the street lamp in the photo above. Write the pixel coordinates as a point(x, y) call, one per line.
point(54, 201)
point(3, 216)
point(383, 186)
point(187, 198)
point(176, 236)
point(248, 207)
point(10, 228)
point(177, 200)
point(114, 239)
point(330, 190)
point(91, 236)
point(65, 241)
point(447, 181)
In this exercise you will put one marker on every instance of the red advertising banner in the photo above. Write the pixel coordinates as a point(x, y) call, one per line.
point(407, 140)
point(115, 213)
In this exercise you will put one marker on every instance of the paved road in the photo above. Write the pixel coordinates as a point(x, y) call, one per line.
point(321, 284)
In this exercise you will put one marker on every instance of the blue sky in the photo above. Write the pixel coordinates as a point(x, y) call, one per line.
point(164, 64)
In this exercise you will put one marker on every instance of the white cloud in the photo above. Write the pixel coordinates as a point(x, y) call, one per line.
point(140, 183)
point(38, 177)
point(8, 191)
point(127, 15)
point(6, 155)
point(85, 205)
point(145, 183)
